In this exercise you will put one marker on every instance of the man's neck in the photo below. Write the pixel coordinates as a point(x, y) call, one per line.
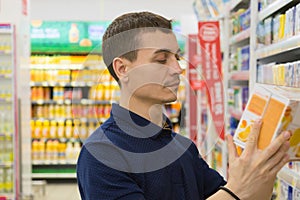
point(149, 111)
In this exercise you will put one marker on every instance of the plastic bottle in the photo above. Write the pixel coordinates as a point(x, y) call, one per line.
point(69, 152)
point(55, 151)
point(83, 130)
point(73, 33)
point(8, 180)
point(46, 129)
point(49, 151)
point(69, 129)
point(38, 129)
point(32, 127)
point(76, 128)
point(61, 129)
point(53, 129)
point(34, 150)
point(2, 149)
point(9, 154)
point(41, 150)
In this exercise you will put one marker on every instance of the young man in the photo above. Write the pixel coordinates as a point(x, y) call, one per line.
point(135, 154)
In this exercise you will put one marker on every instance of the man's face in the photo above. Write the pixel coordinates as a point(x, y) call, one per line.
point(154, 75)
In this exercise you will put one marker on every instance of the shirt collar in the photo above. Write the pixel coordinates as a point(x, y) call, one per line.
point(135, 125)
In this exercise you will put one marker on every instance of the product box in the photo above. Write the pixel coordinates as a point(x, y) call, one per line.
point(279, 110)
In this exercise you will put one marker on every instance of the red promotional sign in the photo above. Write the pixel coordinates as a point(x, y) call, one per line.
point(209, 37)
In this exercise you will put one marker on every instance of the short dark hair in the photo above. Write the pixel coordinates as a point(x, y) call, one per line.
point(111, 48)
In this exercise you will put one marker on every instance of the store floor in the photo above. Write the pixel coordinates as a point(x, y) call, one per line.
point(57, 191)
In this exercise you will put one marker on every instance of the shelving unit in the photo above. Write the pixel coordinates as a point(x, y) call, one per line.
point(72, 93)
point(284, 50)
point(9, 136)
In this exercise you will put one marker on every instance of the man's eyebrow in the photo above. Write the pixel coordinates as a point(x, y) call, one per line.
point(166, 51)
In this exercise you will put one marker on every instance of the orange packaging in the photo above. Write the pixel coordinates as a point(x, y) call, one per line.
point(279, 110)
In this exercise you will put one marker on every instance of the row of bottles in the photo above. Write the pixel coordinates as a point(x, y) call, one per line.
point(101, 92)
point(68, 75)
point(6, 149)
point(64, 59)
point(62, 129)
point(71, 111)
point(55, 151)
point(6, 179)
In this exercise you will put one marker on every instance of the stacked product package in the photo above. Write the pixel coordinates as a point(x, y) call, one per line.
point(287, 74)
point(279, 27)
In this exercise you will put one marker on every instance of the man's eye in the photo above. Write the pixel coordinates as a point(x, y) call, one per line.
point(162, 61)
point(177, 57)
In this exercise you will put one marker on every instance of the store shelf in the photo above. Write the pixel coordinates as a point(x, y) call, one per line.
point(65, 118)
point(63, 84)
point(5, 100)
point(53, 175)
point(57, 163)
point(290, 176)
point(272, 8)
point(6, 164)
point(289, 44)
point(244, 35)
point(239, 76)
point(57, 66)
point(8, 76)
point(5, 53)
point(69, 102)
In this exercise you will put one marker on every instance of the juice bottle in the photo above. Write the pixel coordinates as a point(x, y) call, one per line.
point(46, 129)
point(51, 113)
point(9, 154)
point(100, 92)
point(73, 33)
point(76, 128)
point(34, 150)
point(83, 130)
point(32, 128)
point(61, 129)
point(62, 152)
point(38, 129)
point(53, 129)
point(69, 129)
point(8, 180)
point(69, 152)
point(41, 150)
point(55, 150)
point(49, 151)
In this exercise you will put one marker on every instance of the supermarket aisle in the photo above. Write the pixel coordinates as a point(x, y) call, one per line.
point(57, 191)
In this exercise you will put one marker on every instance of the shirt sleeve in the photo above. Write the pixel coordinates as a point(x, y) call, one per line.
point(98, 181)
point(212, 180)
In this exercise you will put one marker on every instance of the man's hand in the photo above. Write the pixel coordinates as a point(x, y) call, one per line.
point(252, 175)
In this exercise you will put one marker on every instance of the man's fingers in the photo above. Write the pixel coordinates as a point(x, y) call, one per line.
point(251, 143)
point(232, 153)
point(274, 146)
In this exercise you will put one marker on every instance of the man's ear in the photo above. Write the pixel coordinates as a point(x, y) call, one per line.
point(119, 67)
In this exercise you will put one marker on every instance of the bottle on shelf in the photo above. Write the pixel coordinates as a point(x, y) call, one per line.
point(53, 129)
point(61, 129)
point(69, 129)
point(46, 129)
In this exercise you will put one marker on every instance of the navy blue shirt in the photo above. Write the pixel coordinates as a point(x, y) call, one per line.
point(128, 157)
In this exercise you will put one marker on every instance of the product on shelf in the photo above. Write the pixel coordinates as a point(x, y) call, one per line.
point(287, 74)
point(240, 21)
point(280, 27)
point(278, 108)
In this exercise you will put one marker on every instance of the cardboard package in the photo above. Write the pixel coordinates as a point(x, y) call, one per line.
point(279, 110)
